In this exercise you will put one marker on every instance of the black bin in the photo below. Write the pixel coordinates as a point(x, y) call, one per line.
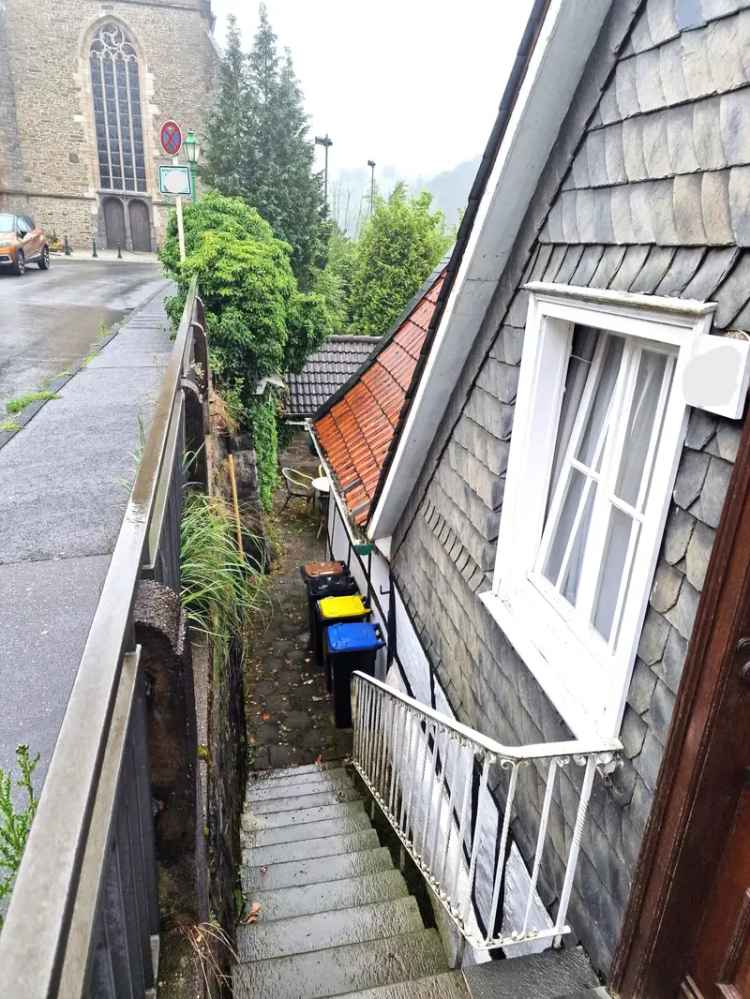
point(349, 647)
point(317, 589)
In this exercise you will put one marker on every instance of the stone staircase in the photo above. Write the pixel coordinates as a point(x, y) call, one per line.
point(336, 917)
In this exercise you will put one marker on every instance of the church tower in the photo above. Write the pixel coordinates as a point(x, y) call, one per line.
point(85, 86)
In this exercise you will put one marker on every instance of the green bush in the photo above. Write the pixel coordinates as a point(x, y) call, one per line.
point(257, 321)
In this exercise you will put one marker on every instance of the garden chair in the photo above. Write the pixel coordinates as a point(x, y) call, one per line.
point(298, 485)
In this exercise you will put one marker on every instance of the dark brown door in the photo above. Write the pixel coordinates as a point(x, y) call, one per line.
point(687, 931)
point(140, 226)
point(114, 223)
point(720, 968)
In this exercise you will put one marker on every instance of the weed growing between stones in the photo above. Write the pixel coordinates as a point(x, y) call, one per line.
point(15, 823)
point(22, 401)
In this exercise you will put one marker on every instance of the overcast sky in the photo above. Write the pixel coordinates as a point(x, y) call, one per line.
point(411, 84)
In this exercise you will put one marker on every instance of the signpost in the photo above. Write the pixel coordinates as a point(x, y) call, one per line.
point(170, 136)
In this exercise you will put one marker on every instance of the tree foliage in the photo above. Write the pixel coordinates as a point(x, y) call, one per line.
point(258, 323)
point(399, 246)
point(258, 146)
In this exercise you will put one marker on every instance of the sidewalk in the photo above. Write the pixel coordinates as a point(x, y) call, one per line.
point(64, 484)
point(289, 713)
point(104, 256)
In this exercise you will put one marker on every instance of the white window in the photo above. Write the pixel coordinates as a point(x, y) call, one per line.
point(598, 430)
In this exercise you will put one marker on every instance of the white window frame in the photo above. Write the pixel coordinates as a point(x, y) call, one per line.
point(586, 680)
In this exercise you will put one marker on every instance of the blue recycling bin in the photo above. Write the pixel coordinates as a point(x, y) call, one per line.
point(349, 647)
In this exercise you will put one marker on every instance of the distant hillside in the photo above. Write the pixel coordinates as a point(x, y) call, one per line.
point(350, 192)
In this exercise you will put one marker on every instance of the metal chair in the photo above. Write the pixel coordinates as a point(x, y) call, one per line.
point(298, 485)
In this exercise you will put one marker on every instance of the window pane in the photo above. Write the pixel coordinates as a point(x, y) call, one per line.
point(614, 572)
point(582, 350)
point(570, 505)
point(575, 562)
point(640, 427)
point(597, 417)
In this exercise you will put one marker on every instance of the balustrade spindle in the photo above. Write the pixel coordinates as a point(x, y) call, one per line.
point(476, 837)
point(499, 873)
point(543, 822)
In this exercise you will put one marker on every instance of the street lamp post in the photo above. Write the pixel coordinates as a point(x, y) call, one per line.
point(371, 165)
point(326, 141)
point(192, 151)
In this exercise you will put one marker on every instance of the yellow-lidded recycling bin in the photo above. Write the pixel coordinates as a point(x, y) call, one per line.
point(338, 610)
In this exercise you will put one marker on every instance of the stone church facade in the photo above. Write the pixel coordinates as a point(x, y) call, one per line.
point(85, 86)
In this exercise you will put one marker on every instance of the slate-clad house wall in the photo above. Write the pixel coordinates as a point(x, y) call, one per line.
point(647, 190)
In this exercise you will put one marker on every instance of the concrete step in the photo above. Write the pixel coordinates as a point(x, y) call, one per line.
point(344, 969)
point(549, 975)
point(327, 896)
point(298, 817)
point(600, 993)
point(449, 985)
point(313, 871)
point(295, 802)
point(302, 934)
point(303, 849)
point(307, 768)
point(330, 780)
point(342, 826)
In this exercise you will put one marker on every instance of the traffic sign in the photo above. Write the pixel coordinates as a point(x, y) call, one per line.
point(171, 138)
point(175, 180)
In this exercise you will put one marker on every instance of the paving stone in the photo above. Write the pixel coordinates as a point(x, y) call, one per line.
point(699, 554)
point(653, 637)
point(641, 687)
point(690, 478)
point(673, 661)
point(682, 615)
point(666, 589)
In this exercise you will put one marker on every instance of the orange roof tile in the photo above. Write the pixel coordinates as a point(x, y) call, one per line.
point(356, 429)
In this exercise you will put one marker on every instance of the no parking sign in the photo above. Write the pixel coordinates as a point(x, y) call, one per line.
point(170, 135)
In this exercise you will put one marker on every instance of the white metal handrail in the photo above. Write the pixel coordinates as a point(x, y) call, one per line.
point(420, 767)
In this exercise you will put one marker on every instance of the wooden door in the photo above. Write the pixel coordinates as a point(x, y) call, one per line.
point(140, 225)
point(720, 967)
point(687, 929)
point(114, 223)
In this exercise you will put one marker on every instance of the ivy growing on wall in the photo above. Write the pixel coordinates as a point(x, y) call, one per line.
point(265, 434)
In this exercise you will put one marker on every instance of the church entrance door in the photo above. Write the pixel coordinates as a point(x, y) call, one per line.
point(140, 225)
point(114, 223)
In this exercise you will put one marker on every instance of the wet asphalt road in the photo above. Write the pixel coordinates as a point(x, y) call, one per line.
point(50, 319)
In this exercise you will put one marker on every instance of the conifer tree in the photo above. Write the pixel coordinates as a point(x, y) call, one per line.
point(225, 158)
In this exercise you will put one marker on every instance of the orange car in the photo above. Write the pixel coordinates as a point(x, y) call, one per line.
point(21, 243)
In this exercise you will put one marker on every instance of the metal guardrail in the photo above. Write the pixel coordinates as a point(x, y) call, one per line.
point(421, 768)
point(83, 918)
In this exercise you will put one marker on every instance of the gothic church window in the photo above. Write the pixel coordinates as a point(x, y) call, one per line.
point(117, 109)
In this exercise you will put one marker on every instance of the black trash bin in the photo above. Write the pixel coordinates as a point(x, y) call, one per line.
point(349, 647)
point(336, 610)
point(317, 589)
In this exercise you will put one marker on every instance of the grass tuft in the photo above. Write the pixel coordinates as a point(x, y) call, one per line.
point(15, 823)
point(22, 401)
point(220, 588)
point(10, 426)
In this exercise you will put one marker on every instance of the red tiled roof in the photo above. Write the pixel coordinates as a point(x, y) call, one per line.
point(356, 431)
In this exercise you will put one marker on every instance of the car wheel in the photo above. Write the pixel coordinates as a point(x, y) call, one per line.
point(44, 259)
point(19, 266)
